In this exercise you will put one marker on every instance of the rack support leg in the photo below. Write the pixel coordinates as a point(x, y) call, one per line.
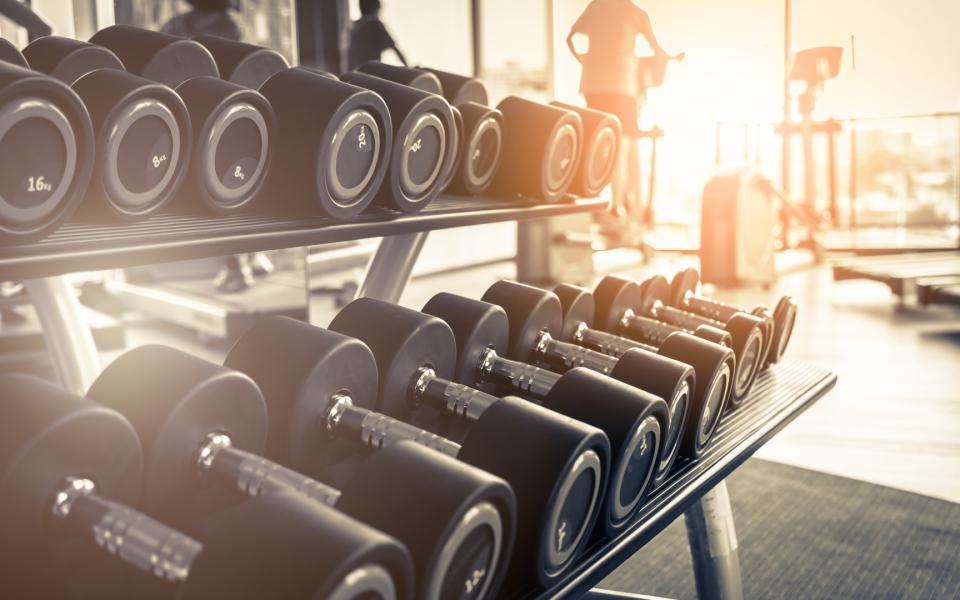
point(390, 266)
point(713, 546)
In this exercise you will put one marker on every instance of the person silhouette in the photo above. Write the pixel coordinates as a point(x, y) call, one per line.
point(610, 81)
point(369, 37)
point(206, 17)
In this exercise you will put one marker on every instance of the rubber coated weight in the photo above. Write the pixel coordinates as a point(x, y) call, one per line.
point(715, 335)
point(335, 144)
point(244, 64)
point(530, 311)
point(160, 57)
point(423, 154)
point(601, 145)
point(456, 142)
point(480, 150)
point(784, 317)
point(10, 54)
point(68, 59)
point(46, 436)
point(541, 149)
point(661, 376)
point(284, 546)
point(173, 415)
point(415, 78)
point(631, 418)
point(46, 149)
point(235, 131)
point(458, 89)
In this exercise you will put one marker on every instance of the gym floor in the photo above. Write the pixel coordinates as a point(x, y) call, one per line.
point(893, 418)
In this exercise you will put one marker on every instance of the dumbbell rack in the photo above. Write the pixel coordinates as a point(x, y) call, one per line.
point(694, 489)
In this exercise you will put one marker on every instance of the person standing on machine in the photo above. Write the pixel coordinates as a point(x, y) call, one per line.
point(369, 37)
point(610, 82)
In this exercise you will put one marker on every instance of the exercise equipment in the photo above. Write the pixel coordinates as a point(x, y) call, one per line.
point(601, 145)
point(46, 149)
point(142, 129)
point(556, 465)
point(746, 331)
point(460, 89)
point(549, 331)
point(481, 149)
point(778, 327)
point(164, 58)
point(244, 64)
point(336, 144)
point(541, 149)
point(202, 423)
point(424, 135)
point(636, 422)
point(70, 470)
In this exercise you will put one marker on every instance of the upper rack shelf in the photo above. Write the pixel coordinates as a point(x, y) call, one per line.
point(172, 237)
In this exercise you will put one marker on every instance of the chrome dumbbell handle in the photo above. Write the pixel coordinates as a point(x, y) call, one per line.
point(608, 343)
point(564, 356)
point(463, 401)
point(709, 307)
point(378, 430)
point(525, 379)
point(131, 536)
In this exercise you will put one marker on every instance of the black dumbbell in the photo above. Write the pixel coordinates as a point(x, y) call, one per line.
point(601, 146)
point(541, 149)
point(233, 125)
point(481, 149)
point(423, 155)
point(46, 150)
point(201, 420)
point(556, 465)
point(460, 89)
point(244, 64)
point(779, 325)
point(539, 334)
point(635, 421)
point(69, 471)
point(143, 130)
point(746, 331)
point(427, 82)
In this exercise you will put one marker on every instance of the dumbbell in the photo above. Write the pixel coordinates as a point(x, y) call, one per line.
point(202, 423)
point(556, 465)
point(427, 82)
point(244, 64)
point(234, 126)
point(601, 145)
point(46, 150)
point(541, 333)
point(636, 422)
point(460, 89)
point(143, 130)
point(778, 326)
point(69, 471)
point(541, 149)
point(424, 152)
point(746, 331)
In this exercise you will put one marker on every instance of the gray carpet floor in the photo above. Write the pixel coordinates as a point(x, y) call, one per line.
point(805, 534)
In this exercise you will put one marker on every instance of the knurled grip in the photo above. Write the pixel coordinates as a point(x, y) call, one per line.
point(138, 540)
point(609, 343)
point(710, 308)
point(649, 331)
point(255, 476)
point(567, 356)
point(682, 318)
point(465, 402)
point(378, 430)
point(525, 379)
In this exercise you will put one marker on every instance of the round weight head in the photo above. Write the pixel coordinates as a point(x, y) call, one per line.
point(300, 368)
point(764, 314)
point(530, 311)
point(482, 148)
point(614, 296)
point(424, 145)
point(558, 469)
point(67, 59)
point(747, 333)
point(655, 291)
point(715, 367)
point(714, 334)
point(10, 54)
point(476, 325)
point(282, 545)
point(459, 534)
point(561, 156)
point(784, 317)
point(175, 400)
point(454, 148)
point(353, 159)
point(46, 436)
point(578, 308)
point(665, 378)
point(632, 420)
point(683, 283)
point(403, 341)
point(244, 64)
point(144, 142)
point(600, 158)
